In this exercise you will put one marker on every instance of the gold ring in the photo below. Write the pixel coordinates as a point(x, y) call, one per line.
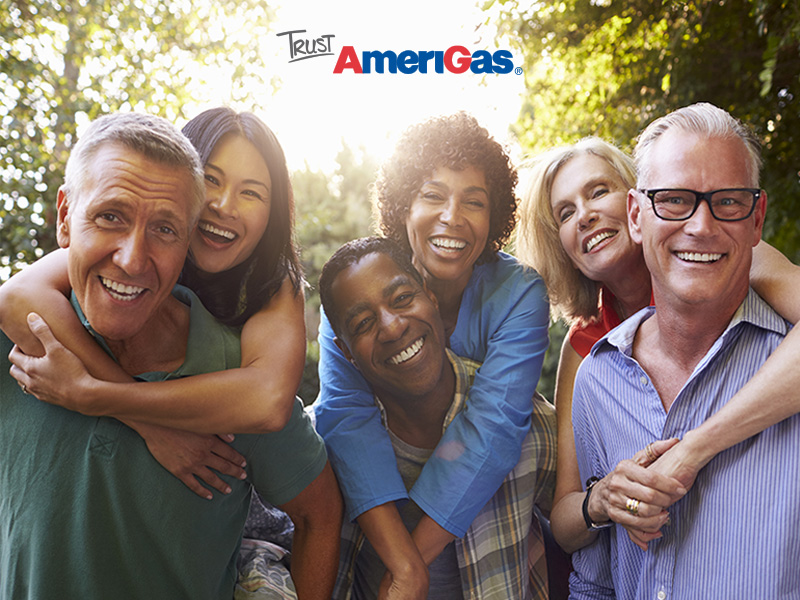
point(24, 389)
point(632, 506)
point(651, 455)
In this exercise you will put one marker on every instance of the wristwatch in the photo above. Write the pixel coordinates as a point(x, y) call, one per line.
point(591, 525)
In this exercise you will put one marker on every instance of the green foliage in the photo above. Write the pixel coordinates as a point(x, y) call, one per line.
point(547, 381)
point(64, 63)
point(608, 68)
point(331, 210)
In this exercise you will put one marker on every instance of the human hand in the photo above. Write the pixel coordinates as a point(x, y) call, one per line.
point(194, 457)
point(57, 377)
point(681, 462)
point(403, 588)
point(636, 497)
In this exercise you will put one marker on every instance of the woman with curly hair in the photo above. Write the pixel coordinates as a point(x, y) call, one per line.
point(447, 196)
point(574, 231)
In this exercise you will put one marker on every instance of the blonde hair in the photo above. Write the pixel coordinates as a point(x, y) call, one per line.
point(573, 296)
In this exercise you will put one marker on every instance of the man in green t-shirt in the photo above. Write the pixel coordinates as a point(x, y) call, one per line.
point(85, 511)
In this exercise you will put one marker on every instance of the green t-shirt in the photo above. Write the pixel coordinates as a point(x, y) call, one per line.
point(87, 513)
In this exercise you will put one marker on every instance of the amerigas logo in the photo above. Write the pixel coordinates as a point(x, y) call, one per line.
point(456, 59)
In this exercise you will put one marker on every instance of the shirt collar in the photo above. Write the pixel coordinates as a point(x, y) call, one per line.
point(204, 332)
point(462, 367)
point(753, 310)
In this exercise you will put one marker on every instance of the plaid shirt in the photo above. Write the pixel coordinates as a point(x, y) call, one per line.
point(502, 554)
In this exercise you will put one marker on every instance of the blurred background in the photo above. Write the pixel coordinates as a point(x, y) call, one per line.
point(600, 67)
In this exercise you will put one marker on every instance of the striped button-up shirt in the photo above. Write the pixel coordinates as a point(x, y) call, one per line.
point(736, 534)
point(502, 554)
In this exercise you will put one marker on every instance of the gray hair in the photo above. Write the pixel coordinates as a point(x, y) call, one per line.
point(703, 119)
point(153, 137)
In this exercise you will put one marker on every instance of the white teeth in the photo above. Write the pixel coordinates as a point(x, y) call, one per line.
point(599, 238)
point(448, 243)
point(699, 257)
point(120, 291)
point(217, 231)
point(408, 353)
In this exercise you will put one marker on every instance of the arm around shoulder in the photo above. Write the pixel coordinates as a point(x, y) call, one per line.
point(490, 432)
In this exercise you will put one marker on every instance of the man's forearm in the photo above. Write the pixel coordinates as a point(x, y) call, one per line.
point(317, 516)
point(388, 535)
point(430, 538)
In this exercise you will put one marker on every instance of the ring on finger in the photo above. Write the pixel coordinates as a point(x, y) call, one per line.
point(632, 506)
point(24, 389)
point(651, 455)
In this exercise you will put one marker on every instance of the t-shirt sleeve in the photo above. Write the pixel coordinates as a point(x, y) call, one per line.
point(282, 464)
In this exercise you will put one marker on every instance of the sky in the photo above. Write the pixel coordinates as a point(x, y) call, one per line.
point(315, 109)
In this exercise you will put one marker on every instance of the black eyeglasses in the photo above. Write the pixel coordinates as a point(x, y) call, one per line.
point(734, 204)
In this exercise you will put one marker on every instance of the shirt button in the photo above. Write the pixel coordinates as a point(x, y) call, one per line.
point(643, 379)
point(661, 595)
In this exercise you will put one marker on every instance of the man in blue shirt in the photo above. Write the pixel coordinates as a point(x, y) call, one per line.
point(697, 214)
point(388, 324)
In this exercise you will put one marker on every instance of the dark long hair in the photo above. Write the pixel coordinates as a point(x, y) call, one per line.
point(233, 296)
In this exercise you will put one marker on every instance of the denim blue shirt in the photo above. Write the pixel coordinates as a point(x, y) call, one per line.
point(502, 323)
point(735, 534)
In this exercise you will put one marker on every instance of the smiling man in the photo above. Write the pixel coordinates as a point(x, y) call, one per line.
point(86, 511)
point(698, 213)
point(388, 325)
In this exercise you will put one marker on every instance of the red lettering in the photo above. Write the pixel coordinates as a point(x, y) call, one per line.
point(463, 62)
point(348, 59)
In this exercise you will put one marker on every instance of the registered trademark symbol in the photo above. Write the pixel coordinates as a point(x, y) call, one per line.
point(518, 70)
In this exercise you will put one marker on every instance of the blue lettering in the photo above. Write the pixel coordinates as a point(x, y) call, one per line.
point(380, 58)
point(503, 62)
point(407, 62)
point(481, 62)
point(424, 57)
point(439, 61)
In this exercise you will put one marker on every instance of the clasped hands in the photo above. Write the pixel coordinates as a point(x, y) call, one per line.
point(638, 492)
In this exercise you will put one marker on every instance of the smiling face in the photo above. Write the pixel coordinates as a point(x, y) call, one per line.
point(588, 200)
point(448, 224)
point(390, 327)
point(700, 260)
point(238, 194)
point(127, 230)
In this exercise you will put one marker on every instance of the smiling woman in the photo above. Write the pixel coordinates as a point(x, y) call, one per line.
point(574, 231)
point(446, 196)
point(247, 274)
point(238, 195)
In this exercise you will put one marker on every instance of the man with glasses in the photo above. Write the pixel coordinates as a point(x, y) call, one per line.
point(697, 213)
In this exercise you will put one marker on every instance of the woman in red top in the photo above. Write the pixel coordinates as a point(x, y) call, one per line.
point(574, 231)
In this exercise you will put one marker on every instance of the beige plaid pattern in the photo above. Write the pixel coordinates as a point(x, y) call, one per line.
point(502, 554)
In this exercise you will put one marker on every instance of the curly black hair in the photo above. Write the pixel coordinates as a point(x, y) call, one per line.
point(454, 142)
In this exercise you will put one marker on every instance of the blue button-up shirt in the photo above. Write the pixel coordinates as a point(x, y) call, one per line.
point(736, 534)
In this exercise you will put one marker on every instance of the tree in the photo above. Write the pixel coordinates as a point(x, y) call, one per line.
point(331, 210)
point(608, 68)
point(64, 63)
